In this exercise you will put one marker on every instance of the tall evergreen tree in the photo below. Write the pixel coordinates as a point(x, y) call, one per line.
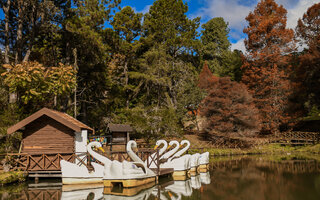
point(89, 52)
point(127, 25)
point(166, 23)
point(165, 72)
point(216, 49)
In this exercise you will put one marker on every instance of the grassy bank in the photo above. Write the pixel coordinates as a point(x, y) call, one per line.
point(12, 177)
point(264, 149)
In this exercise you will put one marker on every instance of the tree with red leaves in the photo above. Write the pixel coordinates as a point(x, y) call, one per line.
point(229, 109)
point(308, 72)
point(228, 106)
point(206, 78)
point(266, 67)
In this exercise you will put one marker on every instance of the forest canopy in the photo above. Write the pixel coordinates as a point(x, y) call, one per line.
point(102, 63)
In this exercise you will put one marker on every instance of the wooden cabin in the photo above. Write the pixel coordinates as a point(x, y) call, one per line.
point(50, 131)
point(120, 133)
point(49, 136)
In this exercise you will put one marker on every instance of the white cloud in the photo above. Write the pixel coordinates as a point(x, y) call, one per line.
point(235, 12)
point(297, 11)
point(239, 45)
point(143, 11)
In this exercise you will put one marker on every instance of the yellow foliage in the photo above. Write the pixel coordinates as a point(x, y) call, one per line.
point(33, 81)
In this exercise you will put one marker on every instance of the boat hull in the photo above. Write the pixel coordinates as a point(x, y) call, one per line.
point(181, 175)
point(203, 168)
point(193, 171)
point(81, 180)
point(128, 183)
point(108, 191)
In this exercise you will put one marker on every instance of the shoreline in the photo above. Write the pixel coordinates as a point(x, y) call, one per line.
point(276, 152)
point(273, 149)
point(7, 178)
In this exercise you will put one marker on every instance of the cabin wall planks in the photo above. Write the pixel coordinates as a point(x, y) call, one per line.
point(46, 135)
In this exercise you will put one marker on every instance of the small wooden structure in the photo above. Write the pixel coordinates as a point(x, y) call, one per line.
point(49, 136)
point(120, 133)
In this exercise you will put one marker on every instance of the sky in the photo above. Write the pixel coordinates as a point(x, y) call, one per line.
point(233, 11)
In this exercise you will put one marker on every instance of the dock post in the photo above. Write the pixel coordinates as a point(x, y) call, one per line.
point(158, 163)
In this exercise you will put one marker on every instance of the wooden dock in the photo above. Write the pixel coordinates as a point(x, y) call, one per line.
point(163, 171)
point(48, 165)
point(44, 174)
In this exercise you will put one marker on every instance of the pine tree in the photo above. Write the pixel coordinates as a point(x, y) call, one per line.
point(216, 49)
point(308, 71)
point(127, 25)
point(266, 68)
point(166, 23)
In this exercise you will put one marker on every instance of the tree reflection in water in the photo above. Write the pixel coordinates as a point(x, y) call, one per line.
point(234, 178)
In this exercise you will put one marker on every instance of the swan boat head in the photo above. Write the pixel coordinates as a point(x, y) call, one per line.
point(164, 147)
point(96, 145)
point(172, 151)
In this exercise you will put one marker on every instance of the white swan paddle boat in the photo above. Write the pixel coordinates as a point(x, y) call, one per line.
point(129, 174)
point(75, 174)
point(161, 151)
point(179, 163)
point(203, 162)
point(194, 163)
point(170, 153)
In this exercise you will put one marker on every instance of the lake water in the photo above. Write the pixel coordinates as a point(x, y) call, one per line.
point(229, 178)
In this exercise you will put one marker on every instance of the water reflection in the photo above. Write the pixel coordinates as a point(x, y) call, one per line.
point(181, 188)
point(237, 178)
point(75, 192)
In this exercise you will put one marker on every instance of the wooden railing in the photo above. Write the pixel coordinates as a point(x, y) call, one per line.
point(44, 162)
point(51, 161)
point(297, 137)
point(148, 156)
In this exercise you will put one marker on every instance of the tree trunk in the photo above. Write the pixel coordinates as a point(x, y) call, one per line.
point(19, 32)
point(33, 24)
point(6, 10)
point(125, 71)
point(12, 96)
point(75, 64)
point(55, 99)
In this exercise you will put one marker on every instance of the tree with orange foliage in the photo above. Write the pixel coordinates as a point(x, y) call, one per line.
point(229, 109)
point(308, 72)
point(228, 106)
point(206, 78)
point(266, 67)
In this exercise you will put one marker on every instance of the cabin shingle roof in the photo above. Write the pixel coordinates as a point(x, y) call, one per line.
point(119, 128)
point(61, 117)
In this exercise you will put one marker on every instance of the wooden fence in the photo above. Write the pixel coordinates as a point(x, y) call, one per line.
point(51, 162)
point(297, 137)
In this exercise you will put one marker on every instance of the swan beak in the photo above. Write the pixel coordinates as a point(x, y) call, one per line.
point(169, 147)
point(100, 148)
point(170, 194)
point(180, 146)
point(155, 147)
